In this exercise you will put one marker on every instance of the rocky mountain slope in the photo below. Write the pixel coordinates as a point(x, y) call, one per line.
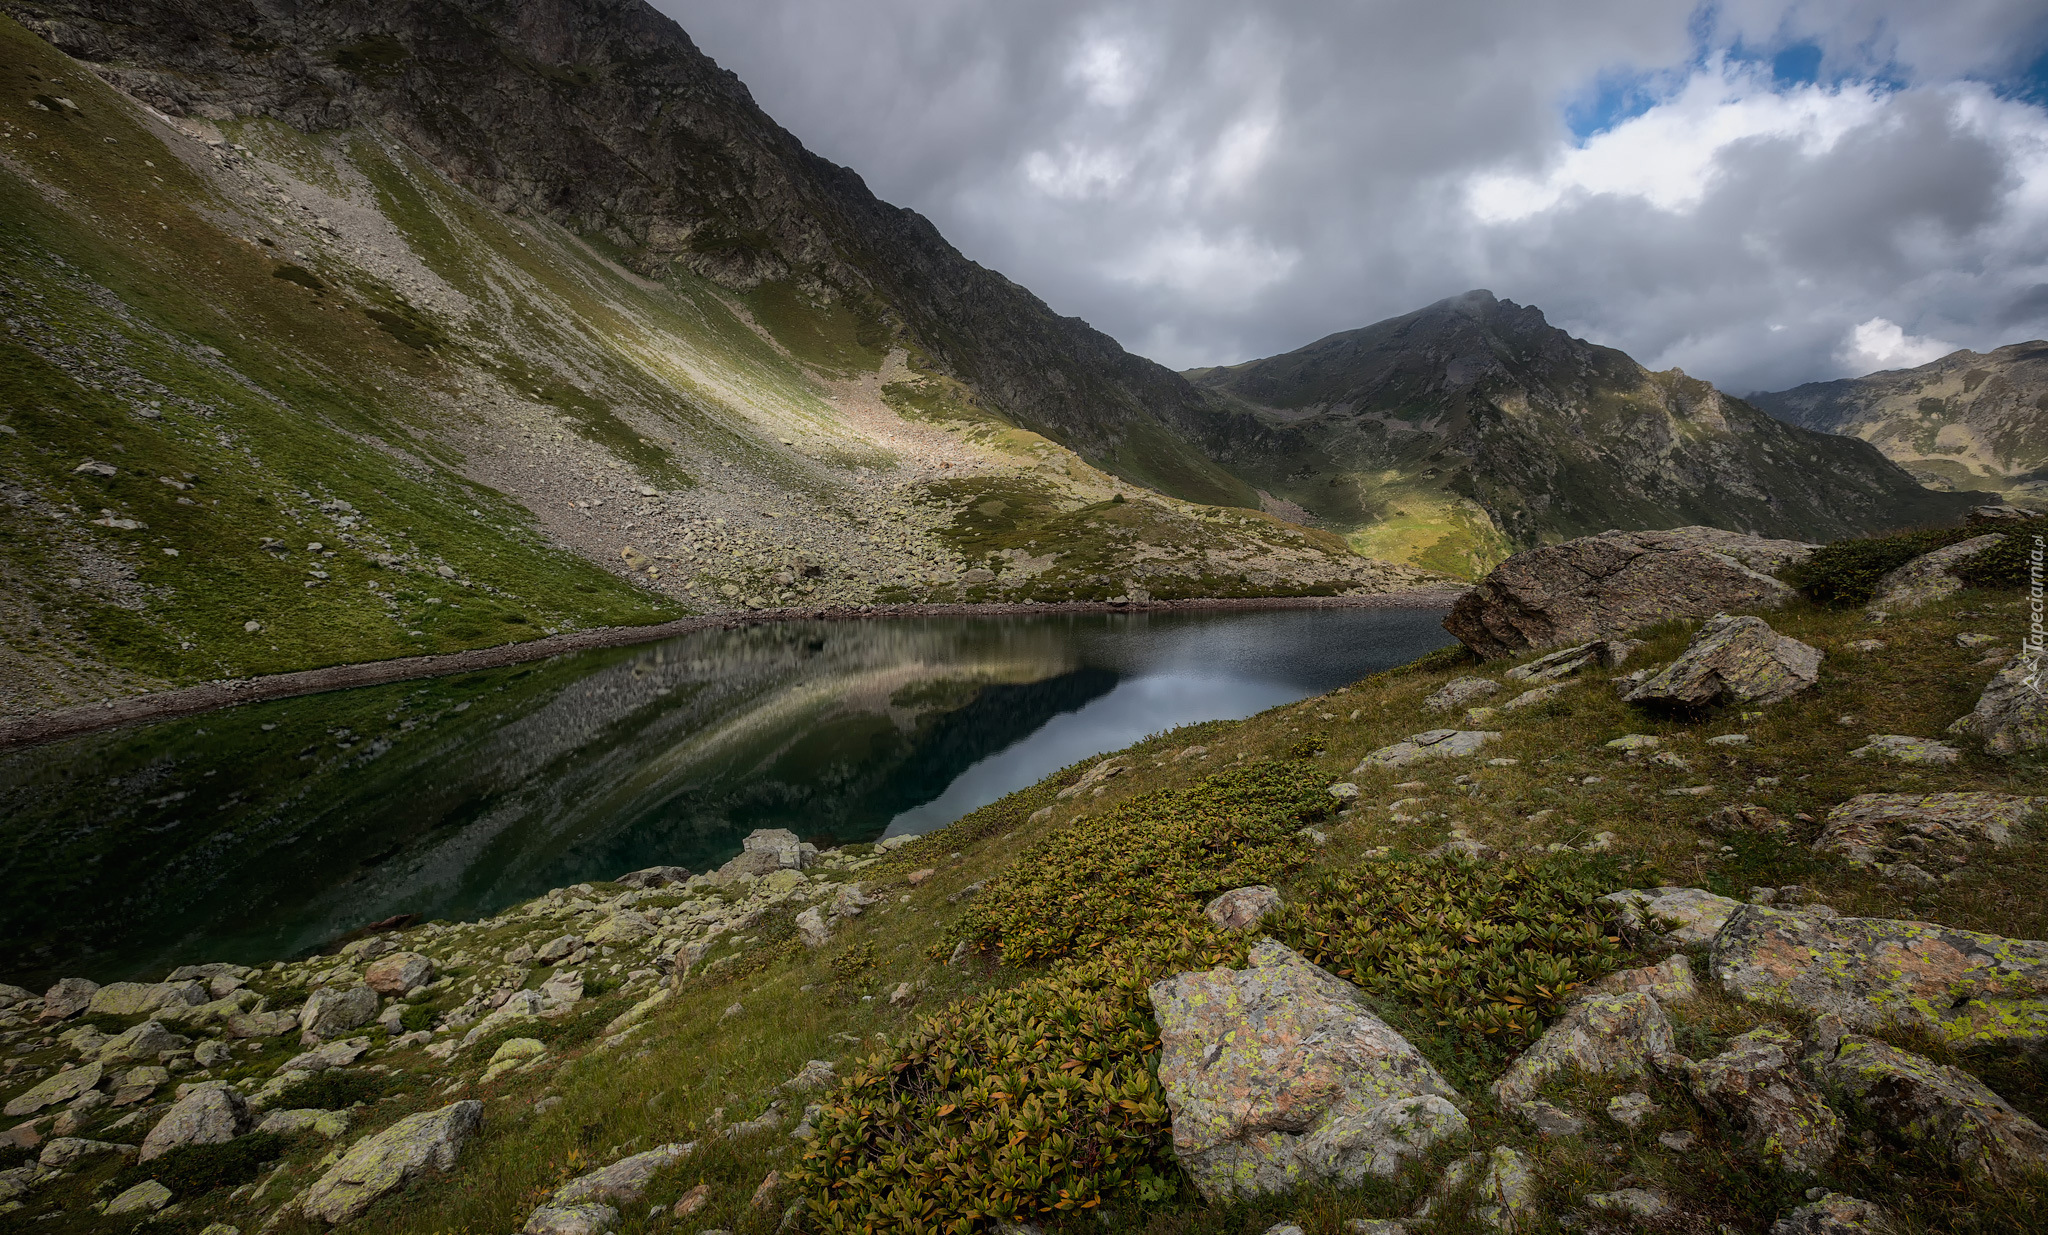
point(1969, 420)
point(1457, 433)
point(1620, 952)
point(357, 332)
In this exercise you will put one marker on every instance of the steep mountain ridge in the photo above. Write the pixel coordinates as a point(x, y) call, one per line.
point(278, 399)
point(1968, 420)
point(1464, 430)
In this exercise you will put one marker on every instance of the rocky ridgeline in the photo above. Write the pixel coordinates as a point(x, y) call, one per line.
point(422, 1002)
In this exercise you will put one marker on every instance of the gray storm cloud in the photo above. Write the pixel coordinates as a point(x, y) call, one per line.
point(1210, 182)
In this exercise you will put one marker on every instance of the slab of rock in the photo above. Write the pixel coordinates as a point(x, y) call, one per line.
point(1756, 1084)
point(338, 1054)
point(209, 1115)
point(558, 949)
point(1874, 828)
point(144, 1198)
point(623, 927)
point(1928, 577)
point(62, 1151)
point(1899, 748)
point(1676, 917)
point(587, 1218)
point(1434, 744)
point(53, 1090)
point(812, 927)
point(1963, 986)
point(398, 973)
point(67, 999)
point(1944, 1108)
point(329, 1124)
point(1669, 982)
point(1733, 658)
point(1552, 1120)
point(1563, 663)
point(1241, 909)
point(385, 1162)
point(1833, 1214)
point(523, 1005)
point(143, 998)
point(1277, 1075)
point(655, 876)
point(2012, 714)
point(332, 1011)
point(141, 1044)
point(1606, 1035)
point(1597, 586)
point(1458, 692)
point(1508, 1198)
point(1535, 695)
point(1638, 1202)
point(624, 1181)
point(1631, 1109)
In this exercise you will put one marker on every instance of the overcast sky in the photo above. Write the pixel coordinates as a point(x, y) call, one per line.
point(1762, 192)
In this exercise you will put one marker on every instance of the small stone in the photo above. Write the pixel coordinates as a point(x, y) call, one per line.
point(1243, 908)
point(1729, 739)
point(1832, 1213)
point(1677, 917)
point(1677, 1142)
point(1899, 748)
point(1638, 1201)
point(917, 877)
point(1631, 1109)
point(1343, 791)
point(1635, 741)
point(692, 1201)
point(1459, 692)
point(1552, 1120)
point(1434, 744)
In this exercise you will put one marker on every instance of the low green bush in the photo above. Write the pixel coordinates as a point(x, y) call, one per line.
point(1483, 955)
point(1145, 867)
point(1845, 574)
point(332, 1090)
point(417, 1017)
point(194, 1170)
point(1030, 1102)
point(2007, 564)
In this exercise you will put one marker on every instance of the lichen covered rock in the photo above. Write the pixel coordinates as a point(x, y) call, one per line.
point(1945, 1108)
point(1606, 1035)
point(385, 1162)
point(1874, 828)
point(1756, 1084)
point(1733, 658)
point(1433, 744)
point(1277, 1075)
point(2012, 714)
point(1677, 917)
point(1963, 986)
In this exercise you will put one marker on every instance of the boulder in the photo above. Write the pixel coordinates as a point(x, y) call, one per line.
point(53, 1090)
point(1241, 909)
point(1597, 586)
point(1755, 1084)
point(1899, 748)
point(1944, 1108)
point(338, 1054)
point(1669, 982)
point(812, 928)
point(335, 1010)
point(1962, 986)
point(1606, 1035)
point(385, 1162)
point(1506, 1198)
point(2011, 715)
point(144, 1198)
point(1733, 658)
point(1833, 1214)
point(1277, 1075)
point(1874, 828)
point(1458, 692)
point(522, 1006)
point(1563, 663)
point(399, 973)
point(62, 1151)
point(588, 1218)
point(765, 851)
point(623, 927)
point(1676, 917)
point(208, 1115)
point(141, 1044)
point(558, 949)
point(143, 998)
point(623, 1182)
point(1434, 744)
point(655, 877)
point(1927, 577)
point(67, 999)
point(329, 1124)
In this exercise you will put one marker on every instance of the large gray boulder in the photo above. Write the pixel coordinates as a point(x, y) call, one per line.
point(2012, 714)
point(141, 1044)
point(1874, 828)
point(1277, 1076)
point(1603, 1035)
point(67, 998)
point(1756, 1084)
point(209, 1115)
point(143, 998)
point(1733, 658)
point(398, 973)
point(62, 1087)
point(1928, 577)
point(767, 850)
point(1597, 586)
point(1945, 1108)
point(1964, 986)
point(333, 1011)
point(383, 1163)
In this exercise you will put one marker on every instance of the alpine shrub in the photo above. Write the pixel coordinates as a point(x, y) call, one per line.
point(193, 1170)
point(1844, 574)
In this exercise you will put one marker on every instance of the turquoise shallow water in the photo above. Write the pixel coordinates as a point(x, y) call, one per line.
point(264, 831)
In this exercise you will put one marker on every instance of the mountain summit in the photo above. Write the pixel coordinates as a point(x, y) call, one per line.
point(1473, 426)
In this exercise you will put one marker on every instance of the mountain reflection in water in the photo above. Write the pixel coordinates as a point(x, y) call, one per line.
point(263, 831)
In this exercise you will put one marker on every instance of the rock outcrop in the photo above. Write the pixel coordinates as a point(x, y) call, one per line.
point(1434, 744)
point(1605, 1035)
point(1241, 909)
point(1962, 986)
point(1928, 577)
point(1879, 828)
point(1673, 917)
point(1733, 658)
point(1945, 1108)
point(1756, 1084)
point(1277, 1075)
point(2012, 714)
point(1598, 586)
point(209, 1115)
point(380, 1164)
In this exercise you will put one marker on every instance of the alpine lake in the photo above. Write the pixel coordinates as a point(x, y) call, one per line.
point(267, 831)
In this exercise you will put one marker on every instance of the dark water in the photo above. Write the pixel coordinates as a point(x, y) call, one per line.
point(267, 830)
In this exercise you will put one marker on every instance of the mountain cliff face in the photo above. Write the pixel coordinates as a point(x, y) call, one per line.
point(603, 117)
point(1456, 433)
point(1970, 420)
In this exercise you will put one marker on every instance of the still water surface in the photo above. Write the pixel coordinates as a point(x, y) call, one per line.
point(263, 831)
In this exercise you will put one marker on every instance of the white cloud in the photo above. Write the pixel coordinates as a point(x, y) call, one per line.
point(1213, 271)
point(1880, 344)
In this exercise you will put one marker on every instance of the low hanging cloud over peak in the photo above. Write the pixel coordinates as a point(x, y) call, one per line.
point(1762, 192)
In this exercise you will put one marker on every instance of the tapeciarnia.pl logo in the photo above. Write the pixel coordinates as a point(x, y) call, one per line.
point(2033, 645)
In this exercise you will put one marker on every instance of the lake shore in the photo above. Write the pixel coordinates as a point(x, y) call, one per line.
point(39, 728)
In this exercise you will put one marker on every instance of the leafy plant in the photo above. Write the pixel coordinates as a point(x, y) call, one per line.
point(332, 1090)
point(1485, 954)
point(1845, 574)
point(1144, 868)
point(855, 961)
point(193, 1170)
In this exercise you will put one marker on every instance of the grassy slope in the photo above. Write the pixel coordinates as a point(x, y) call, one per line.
point(698, 1067)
